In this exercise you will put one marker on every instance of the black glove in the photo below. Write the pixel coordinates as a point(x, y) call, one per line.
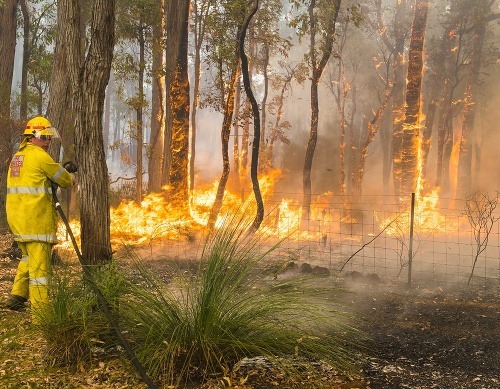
point(70, 167)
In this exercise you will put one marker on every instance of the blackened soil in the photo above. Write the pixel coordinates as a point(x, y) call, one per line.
point(430, 337)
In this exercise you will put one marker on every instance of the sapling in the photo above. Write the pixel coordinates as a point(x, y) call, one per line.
point(479, 209)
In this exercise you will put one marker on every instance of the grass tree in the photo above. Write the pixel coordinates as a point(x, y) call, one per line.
point(201, 325)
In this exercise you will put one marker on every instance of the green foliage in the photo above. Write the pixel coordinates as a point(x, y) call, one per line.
point(202, 325)
point(74, 327)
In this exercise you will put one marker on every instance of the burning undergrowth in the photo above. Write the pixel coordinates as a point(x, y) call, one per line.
point(199, 324)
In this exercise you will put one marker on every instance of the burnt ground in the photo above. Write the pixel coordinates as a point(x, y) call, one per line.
point(425, 337)
point(430, 337)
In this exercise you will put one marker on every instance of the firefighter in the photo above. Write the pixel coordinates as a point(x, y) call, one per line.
point(31, 215)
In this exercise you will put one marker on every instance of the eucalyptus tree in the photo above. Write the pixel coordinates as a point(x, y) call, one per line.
point(89, 69)
point(318, 20)
point(259, 216)
point(482, 53)
point(175, 166)
point(410, 147)
point(359, 114)
point(269, 44)
point(39, 32)
point(223, 28)
point(200, 11)
point(282, 83)
point(390, 23)
point(157, 138)
point(341, 81)
point(134, 30)
point(8, 12)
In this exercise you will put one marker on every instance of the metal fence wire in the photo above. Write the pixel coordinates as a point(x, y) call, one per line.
point(377, 238)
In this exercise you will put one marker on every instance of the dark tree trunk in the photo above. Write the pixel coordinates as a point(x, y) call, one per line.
point(427, 134)
point(236, 136)
point(256, 119)
point(178, 103)
point(264, 136)
point(225, 133)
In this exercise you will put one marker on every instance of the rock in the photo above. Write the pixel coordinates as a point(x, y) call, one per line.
point(306, 268)
point(321, 271)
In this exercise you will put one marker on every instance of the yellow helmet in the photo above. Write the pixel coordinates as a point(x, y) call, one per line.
point(40, 126)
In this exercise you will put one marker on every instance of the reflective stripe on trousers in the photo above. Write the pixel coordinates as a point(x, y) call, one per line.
point(33, 277)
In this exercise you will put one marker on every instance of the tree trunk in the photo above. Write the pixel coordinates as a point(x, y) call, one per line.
point(225, 133)
point(89, 76)
point(256, 120)
point(200, 10)
point(157, 141)
point(398, 94)
point(236, 137)
point(427, 134)
point(368, 135)
point(448, 80)
point(411, 127)
point(178, 102)
point(317, 71)
point(263, 143)
point(464, 177)
point(245, 140)
point(23, 109)
point(59, 108)
point(8, 10)
point(139, 114)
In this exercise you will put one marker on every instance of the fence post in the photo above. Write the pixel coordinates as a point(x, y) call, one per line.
point(410, 246)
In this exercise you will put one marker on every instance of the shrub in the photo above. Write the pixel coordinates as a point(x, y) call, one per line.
point(73, 325)
point(202, 325)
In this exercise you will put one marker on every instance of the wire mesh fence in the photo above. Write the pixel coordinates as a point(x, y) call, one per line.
point(372, 238)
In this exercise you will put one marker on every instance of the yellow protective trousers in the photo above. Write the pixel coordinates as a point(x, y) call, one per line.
point(33, 276)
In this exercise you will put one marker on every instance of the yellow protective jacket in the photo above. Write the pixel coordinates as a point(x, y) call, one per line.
point(31, 214)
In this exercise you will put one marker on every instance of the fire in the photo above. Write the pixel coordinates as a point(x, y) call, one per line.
point(156, 219)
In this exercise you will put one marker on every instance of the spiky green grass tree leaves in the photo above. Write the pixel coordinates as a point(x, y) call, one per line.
point(199, 326)
point(73, 326)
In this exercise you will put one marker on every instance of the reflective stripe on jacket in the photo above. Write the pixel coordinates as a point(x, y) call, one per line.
point(30, 212)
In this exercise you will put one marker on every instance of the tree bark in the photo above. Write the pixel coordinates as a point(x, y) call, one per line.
point(201, 9)
point(157, 141)
point(225, 133)
point(464, 172)
point(139, 113)
point(23, 109)
point(89, 75)
point(8, 10)
point(410, 167)
point(256, 119)
point(178, 102)
point(398, 94)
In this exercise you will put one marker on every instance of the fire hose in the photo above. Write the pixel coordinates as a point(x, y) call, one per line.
point(103, 303)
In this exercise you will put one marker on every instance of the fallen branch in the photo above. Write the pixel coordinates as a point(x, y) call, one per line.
point(367, 243)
